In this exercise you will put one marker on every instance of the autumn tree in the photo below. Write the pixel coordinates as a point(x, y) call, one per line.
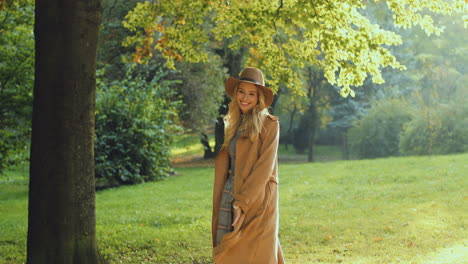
point(61, 225)
point(335, 36)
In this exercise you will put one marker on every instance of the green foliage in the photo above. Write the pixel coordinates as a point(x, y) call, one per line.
point(135, 120)
point(377, 134)
point(349, 212)
point(201, 89)
point(343, 112)
point(16, 80)
point(437, 130)
point(281, 36)
point(111, 54)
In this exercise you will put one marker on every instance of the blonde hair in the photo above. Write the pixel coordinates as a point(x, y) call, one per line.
point(252, 122)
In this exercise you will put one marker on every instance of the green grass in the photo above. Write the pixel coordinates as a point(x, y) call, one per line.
point(188, 145)
point(396, 210)
point(321, 153)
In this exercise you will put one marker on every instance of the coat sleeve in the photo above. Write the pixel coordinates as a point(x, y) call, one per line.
point(254, 186)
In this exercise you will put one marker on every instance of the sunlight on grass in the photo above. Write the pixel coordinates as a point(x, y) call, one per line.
point(457, 254)
point(409, 210)
point(189, 145)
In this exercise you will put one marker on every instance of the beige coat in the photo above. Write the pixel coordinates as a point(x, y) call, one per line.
point(255, 237)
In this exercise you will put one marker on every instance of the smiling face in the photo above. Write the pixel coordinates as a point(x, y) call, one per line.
point(247, 97)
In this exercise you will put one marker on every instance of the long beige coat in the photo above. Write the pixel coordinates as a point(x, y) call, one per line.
point(255, 237)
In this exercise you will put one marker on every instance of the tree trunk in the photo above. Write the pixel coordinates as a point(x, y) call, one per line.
point(314, 84)
point(345, 145)
point(208, 153)
point(313, 130)
point(289, 137)
point(219, 126)
point(62, 220)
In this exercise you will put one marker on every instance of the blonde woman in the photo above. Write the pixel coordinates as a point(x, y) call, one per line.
point(245, 194)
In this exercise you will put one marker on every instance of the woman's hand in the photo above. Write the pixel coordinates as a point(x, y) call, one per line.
point(237, 214)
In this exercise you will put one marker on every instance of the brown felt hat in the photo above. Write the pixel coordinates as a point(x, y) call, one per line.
point(250, 75)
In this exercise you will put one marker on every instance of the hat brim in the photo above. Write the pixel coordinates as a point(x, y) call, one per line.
point(231, 83)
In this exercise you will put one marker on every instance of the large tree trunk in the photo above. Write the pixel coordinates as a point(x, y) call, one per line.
point(61, 190)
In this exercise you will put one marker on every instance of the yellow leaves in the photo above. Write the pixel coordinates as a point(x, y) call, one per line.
point(335, 36)
point(328, 237)
point(345, 91)
point(181, 22)
point(160, 28)
point(407, 13)
point(255, 53)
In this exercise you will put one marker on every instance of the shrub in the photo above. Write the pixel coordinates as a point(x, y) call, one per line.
point(14, 147)
point(437, 130)
point(377, 134)
point(134, 120)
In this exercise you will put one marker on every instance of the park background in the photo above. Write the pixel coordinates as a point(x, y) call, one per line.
point(377, 176)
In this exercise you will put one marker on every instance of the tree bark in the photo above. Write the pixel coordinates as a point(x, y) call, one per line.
point(208, 153)
point(62, 220)
point(345, 145)
point(314, 83)
point(290, 134)
point(219, 125)
point(313, 130)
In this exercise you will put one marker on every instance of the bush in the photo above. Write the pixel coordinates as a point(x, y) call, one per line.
point(377, 134)
point(134, 120)
point(14, 146)
point(437, 130)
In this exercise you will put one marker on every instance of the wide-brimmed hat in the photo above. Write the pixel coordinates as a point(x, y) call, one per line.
point(250, 75)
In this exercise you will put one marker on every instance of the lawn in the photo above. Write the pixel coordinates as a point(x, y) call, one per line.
point(397, 210)
point(187, 149)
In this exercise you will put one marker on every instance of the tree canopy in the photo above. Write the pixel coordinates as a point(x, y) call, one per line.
point(334, 35)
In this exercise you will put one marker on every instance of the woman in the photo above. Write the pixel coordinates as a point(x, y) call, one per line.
point(245, 195)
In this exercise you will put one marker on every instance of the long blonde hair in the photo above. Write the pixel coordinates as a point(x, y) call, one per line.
point(252, 122)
